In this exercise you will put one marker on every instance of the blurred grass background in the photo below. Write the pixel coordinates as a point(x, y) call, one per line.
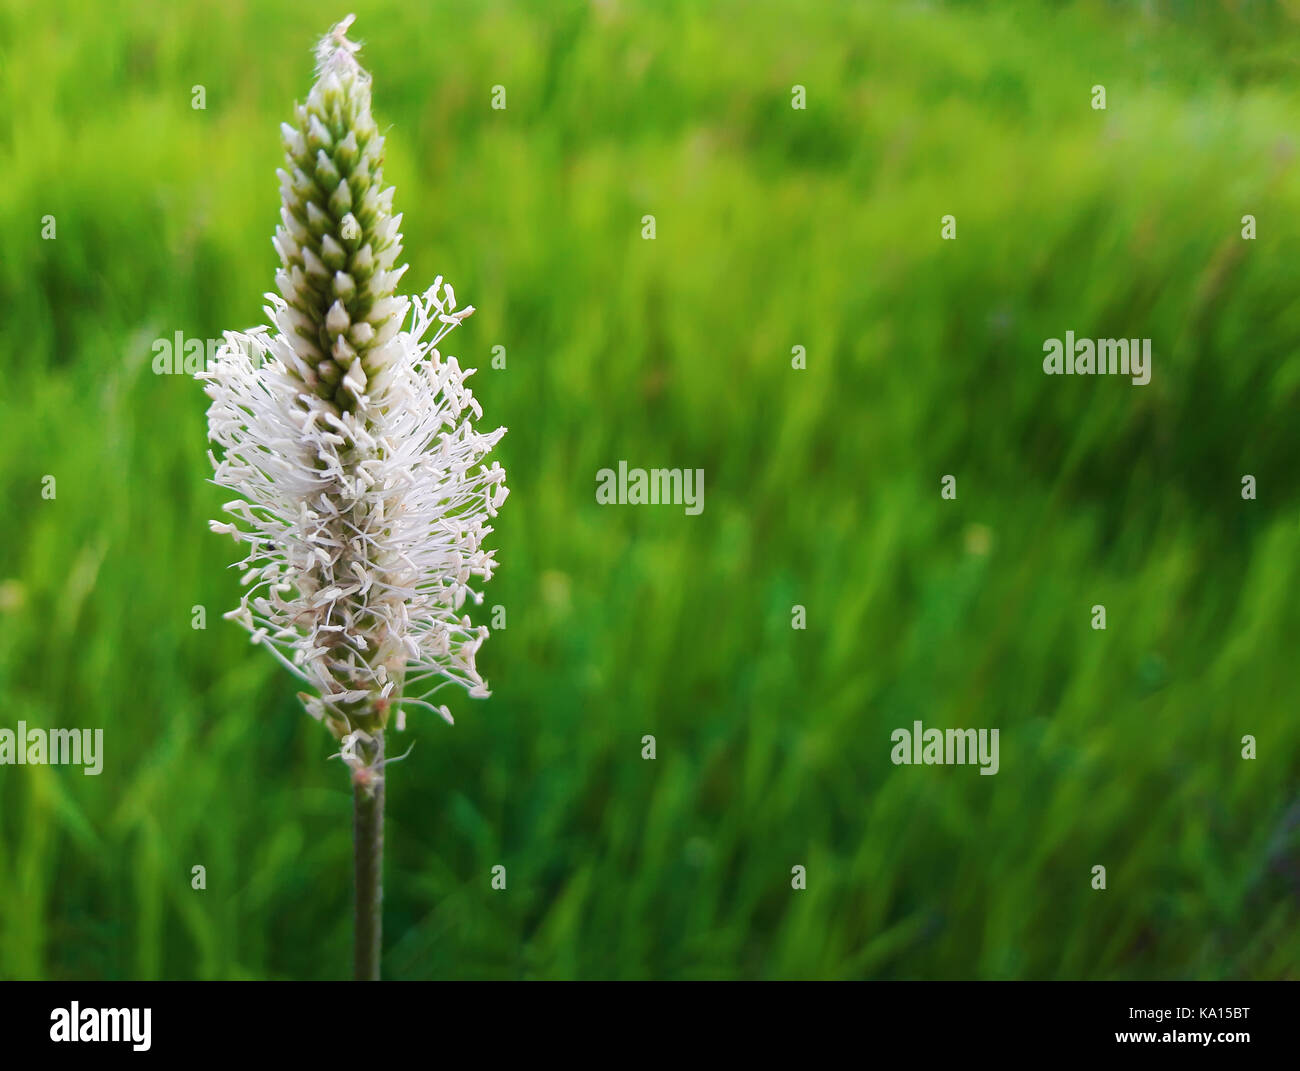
point(776, 228)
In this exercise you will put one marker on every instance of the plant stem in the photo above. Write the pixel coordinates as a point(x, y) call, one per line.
point(368, 843)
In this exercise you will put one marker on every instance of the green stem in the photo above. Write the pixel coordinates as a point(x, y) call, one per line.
point(368, 838)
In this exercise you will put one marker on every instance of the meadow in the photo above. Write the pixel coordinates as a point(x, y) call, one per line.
point(776, 228)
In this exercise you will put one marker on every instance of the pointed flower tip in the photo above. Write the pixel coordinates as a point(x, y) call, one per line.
point(336, 46)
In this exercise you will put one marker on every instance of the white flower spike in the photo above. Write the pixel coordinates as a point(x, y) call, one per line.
point(364, 496)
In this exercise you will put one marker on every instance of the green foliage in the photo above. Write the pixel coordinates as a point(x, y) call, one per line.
point(775, 228)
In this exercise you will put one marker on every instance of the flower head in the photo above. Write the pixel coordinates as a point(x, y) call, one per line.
point(364, 493)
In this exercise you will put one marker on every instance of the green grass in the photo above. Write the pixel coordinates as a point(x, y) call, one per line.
point(776, 228)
